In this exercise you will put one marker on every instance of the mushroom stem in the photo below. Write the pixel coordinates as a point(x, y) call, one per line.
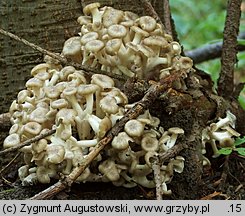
point(215, 149)
point(75, 105)
point(87, 143)
point(89, 104)
point(83, 128)
point(94, 122)
point(68, 167)
point(172, 141)
point(154, 61)
point(228, 120)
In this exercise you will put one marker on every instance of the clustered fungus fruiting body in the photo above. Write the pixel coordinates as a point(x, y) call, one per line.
point(83, 110)
point(121, 42)
point(220, 134)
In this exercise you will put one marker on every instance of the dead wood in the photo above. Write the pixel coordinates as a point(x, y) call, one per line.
point(157, 177)
point(167, 17)
point(229, 51)
point(210, 51)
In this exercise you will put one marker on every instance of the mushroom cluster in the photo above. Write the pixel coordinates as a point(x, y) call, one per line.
point(82, 109)
point(220, 134)
point(121, 42)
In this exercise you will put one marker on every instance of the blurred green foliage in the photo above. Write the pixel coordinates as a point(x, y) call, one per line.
point(202, 22)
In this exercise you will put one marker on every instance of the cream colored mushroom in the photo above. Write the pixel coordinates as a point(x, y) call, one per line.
point(175, 131)
point(111, 16)
point(55, 153)
point(72, 49)
point(121, 141)
point(147, 23)
point(87, 91)
point(109, 169)
point(31, 129)
point(11, 140)
point(44, 174)
point(134, 128)
point(96, 14)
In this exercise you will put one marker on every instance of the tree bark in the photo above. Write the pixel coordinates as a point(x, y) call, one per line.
point(45, 23)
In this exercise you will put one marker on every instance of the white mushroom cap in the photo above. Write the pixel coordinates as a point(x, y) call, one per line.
point(32, 129)
point(225, 138)
point(174, 131)
point(147, 23)
point(67, 116)
point(25, 96)
point(178, 164)
point(113, 45)
point(109, 169)
point(35, 84)
point(55, 153)
point(38, 115)
point(130, 15)
point(11, 140)
point(31, 179)
point(84, 20)
point(102, 81)
point(52, 92)
point(89, 37)
point(65, 71)
point(149, 143)
point(111, 16)
point(134, 128)
point(59, 104)
point(94, 45)
point(176, 48)
point(43, 67)
point(72, 49)
point(23, 172)
point(44, 174)
point(109, 105)
point(117, 31)
point(39, 146)
point(121, 141)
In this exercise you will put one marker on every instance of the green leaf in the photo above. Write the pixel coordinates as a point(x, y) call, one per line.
point(241, 42)
point(241, 100)
point(239, 141)
point(241, 151)
point(225, 151)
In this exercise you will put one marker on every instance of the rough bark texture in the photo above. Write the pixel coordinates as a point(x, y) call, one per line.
point(46, 23)
point(229, 50)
